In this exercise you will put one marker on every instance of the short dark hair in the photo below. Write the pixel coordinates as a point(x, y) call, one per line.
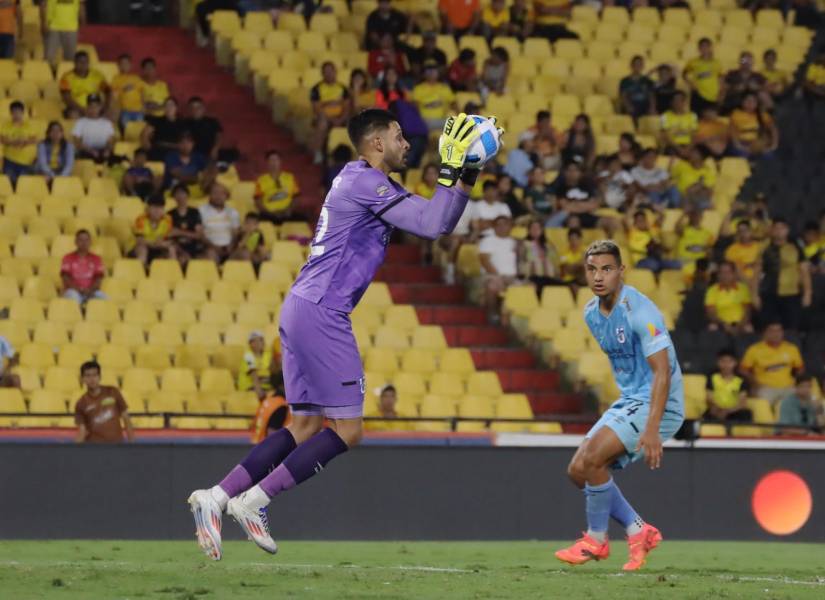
point(81, 232)
point(811, 226)
point(88, 366)
point(141, 152)
point(679, 94)
point(194, 99)
point(704, 40)
point(388, 388)
point(727, 352)
point(772, 322)
point(271, 152)
point(17, 105)
point(156, 200)
point(781, 221)
point(542, 114)
point(366, 122)
point(803, 378)
point(253, 215)
point(604, 247)
point(466, 54)
point(148, 61)
point(636, 57)
point(574, 231)
point(727, 263)
point(744, 222)
point(81, 54)
point(639, 213)
point(489, 184)
point(124, 55)
point(186, 135)
point(180, 187)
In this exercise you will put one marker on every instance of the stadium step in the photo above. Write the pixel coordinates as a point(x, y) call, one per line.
point(522, 380)
point(548, 403)
point(400, 273)
point(433, 293)
point(403, 253)
point(192, 71)
point(476, 335)
point(451, 315)
point(503, 358)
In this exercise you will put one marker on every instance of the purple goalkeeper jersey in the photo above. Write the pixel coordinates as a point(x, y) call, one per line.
point(361, 210)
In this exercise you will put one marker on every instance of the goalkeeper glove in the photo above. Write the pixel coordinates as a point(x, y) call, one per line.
point(459, 133)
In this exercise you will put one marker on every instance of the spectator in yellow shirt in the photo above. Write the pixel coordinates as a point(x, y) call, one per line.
point(744, 251)
point(386, 409)
point(426, 187)
point(704, 76)
point(433, 98)
point(814, 84)
point(275, 191)
point(81, 82)
point(777, 79)
point(330, 107)
point(771, 365)
point(728, 302)
point(694, 178)
point(495, 19)
point(572, 260)
point(753, 132)
point(678, 126)
point(155, 91)
point(645, 241)
point(258, 365)
point(152, 230)
point(60, 20)
point(727, 393)
point(127, 91)
point(551, 16)
point(19, 139)
point(695, 241)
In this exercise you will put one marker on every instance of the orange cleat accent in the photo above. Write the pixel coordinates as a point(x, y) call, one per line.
point(586, 548)
point(640, 545)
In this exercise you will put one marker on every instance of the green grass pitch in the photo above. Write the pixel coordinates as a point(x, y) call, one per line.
point(104, 570)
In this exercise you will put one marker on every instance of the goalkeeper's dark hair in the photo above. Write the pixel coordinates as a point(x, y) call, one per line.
point(366, 122)
point(604, 247)
point(89, 365)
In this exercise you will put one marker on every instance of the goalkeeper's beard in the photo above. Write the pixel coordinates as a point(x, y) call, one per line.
point(398, 164)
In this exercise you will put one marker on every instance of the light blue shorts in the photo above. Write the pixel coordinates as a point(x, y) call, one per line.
point(627, 418)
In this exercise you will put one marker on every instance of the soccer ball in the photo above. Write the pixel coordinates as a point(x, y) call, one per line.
point(485, 146)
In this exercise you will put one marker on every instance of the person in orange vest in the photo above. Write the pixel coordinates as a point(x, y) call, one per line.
point(273, 412)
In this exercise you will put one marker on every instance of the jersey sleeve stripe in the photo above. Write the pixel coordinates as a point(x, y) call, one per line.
point(393, 203)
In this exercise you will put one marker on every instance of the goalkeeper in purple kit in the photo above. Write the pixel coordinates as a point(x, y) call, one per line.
point(323, 374)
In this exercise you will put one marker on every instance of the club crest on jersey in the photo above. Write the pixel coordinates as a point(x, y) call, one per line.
point(620, 337)
point(382, 190)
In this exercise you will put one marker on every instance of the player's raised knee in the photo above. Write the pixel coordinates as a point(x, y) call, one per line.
point(350, 431)
point(576, 470)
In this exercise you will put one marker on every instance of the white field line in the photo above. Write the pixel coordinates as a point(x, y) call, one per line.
point(105, 564)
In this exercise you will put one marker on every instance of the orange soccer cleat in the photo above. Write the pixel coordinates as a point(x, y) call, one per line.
point(586, 548)
point(640, 545)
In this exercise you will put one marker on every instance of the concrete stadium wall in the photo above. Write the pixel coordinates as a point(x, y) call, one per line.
point(374, 493)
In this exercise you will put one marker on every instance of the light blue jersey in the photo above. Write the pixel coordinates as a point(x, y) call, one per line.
point(633, 331)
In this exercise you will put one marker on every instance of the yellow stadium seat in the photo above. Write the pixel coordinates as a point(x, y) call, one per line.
point(409, 384)
point(189, 292)
point(258, 22)
point(203, 271)
point(712, 430)
point(152, 292)
point(514, 406)
point(217, 381)
point(392, 338)
point(593, 366)
point(279, 41)
point(377, 297)
point(140, 381)
point(402, 317)
point(546, 427)
point(228, 357)
point(240, 402)
point(36, 356)
point(695, 395)
point(64, 311)
point(45, 227)
point(381, 360)
point(566, 104)
point(680, 17)
point(168, 402)
point(139, 313)
point(433, 405)
point(39, 288)
point(128, 269)
point(615, 14)
point(102, 312)
point(544, 323)
point(762, 411)
point(62, 245)
point(9, 289)
point(178, 315)
point(21, 208)
point(558, 299)
point(128, 208)
point(166, 270)
point(114, 357)
point(30, 247)
point(261, 292)
point(646, 15)
point(554, 69)
point(217, 315)
point(48, 401)
point(239, 273)
point(311, 43)
point(484, 383)
point(429, 337)
point(25, 91)
point(476, 406)
point(32, 186)
point(166, 335)
point(225, 22)
point(771, 18)
point(153, 357)
point(11, 400)
point(521, 300)
point(609, 32)
point(568, 49)
point(203, 335)
point(50, 334)
point(416, 360)
point(62, 379)
point(128, 334)
point(569, 347)
point(68, 188)
point(19, 269)
point(293, 22)
point(178, 380)
point(584, 13)
point(253, 316)
point(288, 253)
point(325, 23)
point(192, 357)
point(456, 361)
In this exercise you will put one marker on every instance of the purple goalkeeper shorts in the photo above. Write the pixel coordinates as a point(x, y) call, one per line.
point(323, 374)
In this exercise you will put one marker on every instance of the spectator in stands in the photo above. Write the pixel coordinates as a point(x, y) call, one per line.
point(462, 74)
point(712, 133)
point(744, 80)
point(694, 177)
point(629, 151)
point(330, 107)
point(579, 144)
point(204, 10)
point(162, 134)
point(614, 183)
point(727, 393)
point(127, 93)
point(187, 227)
point(744, 252)
point(784, 278)
point(249, 242)
point(82, 271)
point(101, 414)
point(498, 254)
point(10, 16)
point(387, 401)
point(186, 165)
point(385, 20)
point(494, 73)
point(695, 241)
point(94, 134)
point(360, 92)
point(272, 413)
point(813, 243)
point(678, 126)
point(728, 302)
point(139, 180)
point(636, 91)
point(429, 176)
point(539, 260)
point(155, 91)
point(415, 129)
point(572, 260)
point(77, 85)
point(814, 82)
point(495, 20)
point(537, 197)
point(257, 366)
point(654, 182)
point(60, 22)
point(776, 80)
point(488, 210)
point(522, 160)
point(220, 223)
point(703, 75)
point(206, 131)
point(341, 155)
point(753, 131)
point(644, 240)
point(574, 196)
point(152, 233)
point(771, 365)
point(428, 53)
point(665, 87)
point(55, 155)
point(801, 410)
point(544, 129)
point(433, 98)
point(384, 56)
point(521, 19)
point(459, 17)
point(506, 193)
point(389, 90)
point(19, 138)
point(8, 359)
point(551, 17)
point(275, 191)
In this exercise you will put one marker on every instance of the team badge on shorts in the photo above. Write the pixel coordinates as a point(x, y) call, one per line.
point(620, 337)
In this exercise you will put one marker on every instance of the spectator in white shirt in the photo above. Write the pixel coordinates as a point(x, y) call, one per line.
point(94, 134)
point(488, 209)
point(498, 254)
point(220, 223)
point(654, 182)
point(451, 244)
point(8, 358)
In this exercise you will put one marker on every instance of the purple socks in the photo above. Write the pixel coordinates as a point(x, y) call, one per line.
point(261, 460)
point(305, 461)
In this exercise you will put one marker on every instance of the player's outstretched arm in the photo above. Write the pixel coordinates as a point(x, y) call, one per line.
point(650, 441)
point(428, 218)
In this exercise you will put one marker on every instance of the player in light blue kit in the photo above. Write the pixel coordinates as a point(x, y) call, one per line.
point(323, 374)
point(631, 331)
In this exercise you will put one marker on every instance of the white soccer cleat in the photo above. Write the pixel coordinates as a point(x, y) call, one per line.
point(207, 514)
point(250, 514)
